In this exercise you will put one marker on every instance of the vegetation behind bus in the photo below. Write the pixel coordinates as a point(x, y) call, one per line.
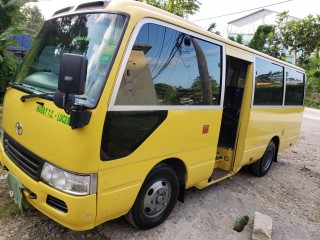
point(181, 8)
point(15, 19)
point(302, 38)
point(291, 36)
point(185, 96)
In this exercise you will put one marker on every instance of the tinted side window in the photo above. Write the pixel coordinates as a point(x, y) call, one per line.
point(294, 87)
point(168, 67)
point(268, 83)
point(125, 131)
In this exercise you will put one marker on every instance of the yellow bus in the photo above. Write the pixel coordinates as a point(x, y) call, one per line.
point(119, 107)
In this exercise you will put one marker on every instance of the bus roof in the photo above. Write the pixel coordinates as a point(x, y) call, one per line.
point(138, 10)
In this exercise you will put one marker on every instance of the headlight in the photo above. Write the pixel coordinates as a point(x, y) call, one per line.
point(69, 182)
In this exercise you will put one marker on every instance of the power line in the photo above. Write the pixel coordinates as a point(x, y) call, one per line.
point(241, 11)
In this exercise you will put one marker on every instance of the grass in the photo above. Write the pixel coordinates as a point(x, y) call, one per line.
point(7, 205)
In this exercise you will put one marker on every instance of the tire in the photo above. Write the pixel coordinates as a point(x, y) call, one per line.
point(263, 165)
point(156, 199)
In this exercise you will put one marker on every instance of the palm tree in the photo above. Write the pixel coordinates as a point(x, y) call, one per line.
point(6, 40)
point(204, 73)
point(238, 38)
point(212, 28)
point(10, 12)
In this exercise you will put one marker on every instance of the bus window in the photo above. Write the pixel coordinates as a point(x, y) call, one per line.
point(163, 69)
point(268, 83)
point(294, 87)
point(95, 36)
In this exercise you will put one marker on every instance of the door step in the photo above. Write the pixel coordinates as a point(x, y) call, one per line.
point(224, 158)
point(218, 174)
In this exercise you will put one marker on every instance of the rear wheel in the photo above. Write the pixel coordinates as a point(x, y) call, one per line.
point(263, 165)
point(156, 199)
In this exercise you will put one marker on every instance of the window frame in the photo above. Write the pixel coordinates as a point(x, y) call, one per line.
point(304, 86)
point(254, 83)
point(108, 71)
point(113, 107)
point(285, 67)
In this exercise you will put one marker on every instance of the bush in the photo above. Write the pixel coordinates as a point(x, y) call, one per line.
point(313, 81)
point(312, 102)
point(7, 70)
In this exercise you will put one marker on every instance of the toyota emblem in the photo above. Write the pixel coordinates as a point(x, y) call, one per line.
point(19, 128)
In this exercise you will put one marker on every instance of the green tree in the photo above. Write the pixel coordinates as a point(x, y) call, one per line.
point(232, 38)
point(13, 22)
point(313, 83)
point(238, 38)
point(300, 37)
point(32, 19)
point(212, 28)
point(10, 13)
point(266, 40)
point(182, 8)
point(11, 19)
point(8, 61)
point(197, 93)
point(259, 39)
point(313, 74)
point(166, 93)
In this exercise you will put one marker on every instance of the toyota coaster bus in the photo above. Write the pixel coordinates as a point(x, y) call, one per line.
point(119, 107)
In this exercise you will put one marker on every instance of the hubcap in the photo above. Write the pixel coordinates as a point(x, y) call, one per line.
point(267, 160)
point(157, 198)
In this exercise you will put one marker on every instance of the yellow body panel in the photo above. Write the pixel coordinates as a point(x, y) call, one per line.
point(180, 137)
point(81, 209)
point(43, 135)
point(266, 123)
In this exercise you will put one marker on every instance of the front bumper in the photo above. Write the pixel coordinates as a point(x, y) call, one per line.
point(81, 210)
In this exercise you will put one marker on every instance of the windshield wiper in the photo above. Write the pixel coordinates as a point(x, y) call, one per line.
point(34, 95)
point(21, 85)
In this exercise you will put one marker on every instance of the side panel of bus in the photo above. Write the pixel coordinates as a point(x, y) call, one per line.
point(276, 110)
point(158, 112)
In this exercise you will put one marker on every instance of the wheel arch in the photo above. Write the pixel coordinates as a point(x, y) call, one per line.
point(276, 141)
point(181, 171)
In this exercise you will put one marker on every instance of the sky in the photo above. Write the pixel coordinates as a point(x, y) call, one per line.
point(215, 8)
point(211, 8)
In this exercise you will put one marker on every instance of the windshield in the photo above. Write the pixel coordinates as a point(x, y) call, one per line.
point(95, 36)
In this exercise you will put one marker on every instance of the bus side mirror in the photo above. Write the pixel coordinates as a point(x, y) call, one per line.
point(72, 81)
point(61, 100)
point(73, 74)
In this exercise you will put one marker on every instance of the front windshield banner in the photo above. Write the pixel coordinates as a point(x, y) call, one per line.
point(95, 36)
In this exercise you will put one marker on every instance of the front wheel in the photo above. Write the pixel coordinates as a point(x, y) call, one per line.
point(156, 199)
point(263, 165)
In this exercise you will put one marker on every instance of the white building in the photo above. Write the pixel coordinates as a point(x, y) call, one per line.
point(248, 24)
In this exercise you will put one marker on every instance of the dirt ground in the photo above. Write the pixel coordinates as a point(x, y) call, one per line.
point(289, 193)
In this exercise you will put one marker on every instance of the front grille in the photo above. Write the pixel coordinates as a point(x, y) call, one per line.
point(27, 161)
point(57, 204)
